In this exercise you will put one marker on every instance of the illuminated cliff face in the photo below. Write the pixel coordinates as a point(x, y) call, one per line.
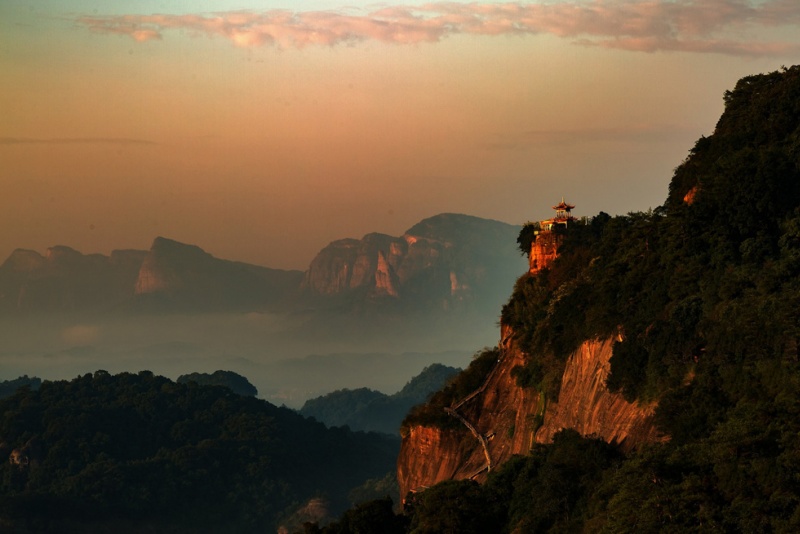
point(586, 405)
point(544, 250)
point(511, 419)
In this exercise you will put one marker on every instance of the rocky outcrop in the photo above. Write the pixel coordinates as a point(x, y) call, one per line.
point(24, 261)
point(385, 278)
point(544, 249)
point(170, 266)
point(510, 419)
point(429, 455)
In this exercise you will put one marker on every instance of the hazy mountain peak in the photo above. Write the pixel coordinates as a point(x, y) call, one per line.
point(63, 254)
point(455, 227)
point(24, 260)
point(166, 245)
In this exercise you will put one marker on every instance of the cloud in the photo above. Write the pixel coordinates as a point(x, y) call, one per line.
point(636, 25)
point(74, 141)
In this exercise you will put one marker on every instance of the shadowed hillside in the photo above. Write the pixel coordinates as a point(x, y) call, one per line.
point(108, 452)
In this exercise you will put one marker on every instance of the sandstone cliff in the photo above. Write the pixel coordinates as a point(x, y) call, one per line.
point(544, 249)
point(508, 419)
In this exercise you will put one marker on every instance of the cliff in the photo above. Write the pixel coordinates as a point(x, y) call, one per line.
point(544, 249)
point(585, 404)
point(508, 419)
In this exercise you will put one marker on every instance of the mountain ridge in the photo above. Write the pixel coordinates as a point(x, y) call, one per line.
point(175, 276)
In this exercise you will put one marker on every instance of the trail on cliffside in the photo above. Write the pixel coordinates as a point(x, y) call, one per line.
point(480, 437)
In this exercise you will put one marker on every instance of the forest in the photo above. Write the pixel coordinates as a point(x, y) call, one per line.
point(138, 452)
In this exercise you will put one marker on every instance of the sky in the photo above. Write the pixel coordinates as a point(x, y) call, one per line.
point(261, 131)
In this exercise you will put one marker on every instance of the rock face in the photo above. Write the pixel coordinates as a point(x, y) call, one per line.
point(349, 264)
point(442, 261)
point(510, 419)
point(544, 250)
point(586, 405)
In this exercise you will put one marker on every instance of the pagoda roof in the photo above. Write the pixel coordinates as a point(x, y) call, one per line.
point(563, 206)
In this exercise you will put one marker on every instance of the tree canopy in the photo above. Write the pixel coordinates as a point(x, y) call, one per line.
point(141, 451)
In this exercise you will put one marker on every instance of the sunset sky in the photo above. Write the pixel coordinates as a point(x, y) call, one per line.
point(262, 130)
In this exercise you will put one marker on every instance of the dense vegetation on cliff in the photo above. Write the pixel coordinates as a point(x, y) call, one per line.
point(106, 453)
point(704, 294)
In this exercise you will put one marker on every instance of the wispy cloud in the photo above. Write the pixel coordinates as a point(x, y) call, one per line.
point(637, 25)
point(74, 141)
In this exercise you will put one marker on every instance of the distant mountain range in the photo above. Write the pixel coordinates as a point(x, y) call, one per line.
point(372, 411)
point(444, 262)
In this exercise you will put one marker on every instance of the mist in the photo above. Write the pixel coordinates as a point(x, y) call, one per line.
point(288, 357)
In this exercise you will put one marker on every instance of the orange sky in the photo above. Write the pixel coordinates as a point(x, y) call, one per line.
point(262, 135)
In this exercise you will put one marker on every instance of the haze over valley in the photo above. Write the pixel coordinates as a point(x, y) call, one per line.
point(367, 313)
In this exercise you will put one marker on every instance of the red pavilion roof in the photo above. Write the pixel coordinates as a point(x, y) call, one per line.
point(563, 206)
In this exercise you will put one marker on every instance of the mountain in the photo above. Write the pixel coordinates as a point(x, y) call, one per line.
point(443, 262)
point(647, 378)
point(373, 411)
point(178, 276)
point(169, 276)
point(64, 280)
